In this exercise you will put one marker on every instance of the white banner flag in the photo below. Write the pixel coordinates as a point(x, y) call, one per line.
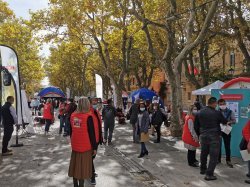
point(99, 86)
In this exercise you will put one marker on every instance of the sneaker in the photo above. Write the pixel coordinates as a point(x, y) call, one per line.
point(195, 165)
point(156, 141)
point(7, 154)
point(229, 163)
point(210, 177)
point(248, 175)
point(93, 182)
point(247, 181)
point(96, 175)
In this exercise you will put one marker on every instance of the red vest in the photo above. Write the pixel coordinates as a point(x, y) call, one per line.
point(96, 124)
point(80, 141)
point(186, 136)
point(246, 131)
point(47, 111)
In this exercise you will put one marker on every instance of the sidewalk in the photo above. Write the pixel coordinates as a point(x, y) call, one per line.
point(44, 161)
point(167, 161)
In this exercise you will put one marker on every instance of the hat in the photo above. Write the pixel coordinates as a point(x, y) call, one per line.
point(155, 99)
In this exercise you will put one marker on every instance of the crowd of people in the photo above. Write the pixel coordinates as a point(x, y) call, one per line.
point(82, 121)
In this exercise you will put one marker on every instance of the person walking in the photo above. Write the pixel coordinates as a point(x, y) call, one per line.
point(9, 118)
point(62, 117)
point(157, 119)
point(142, 128)
point(190, 138)
point(207, 127)
point(108, 114)
point(133, 115)
point(98, 133)
point(48, 115)
point(83, 143)
point(70, 108)
point(230, 116)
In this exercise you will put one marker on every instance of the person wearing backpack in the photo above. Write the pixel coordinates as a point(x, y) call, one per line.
point(230, 117)
point(108, 114)
point(158, 117)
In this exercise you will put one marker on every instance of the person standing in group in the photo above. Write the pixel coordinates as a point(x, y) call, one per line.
point(9, 118)
point(190, 138)
point(48, 115)
point(62, 111)
point(70, 108)
point(108, 115)
point(142, 128)
point(98, 132)
point(133, 115)
point(230, 116)
point(83, 143)
point(207, 127)
point(158, 117)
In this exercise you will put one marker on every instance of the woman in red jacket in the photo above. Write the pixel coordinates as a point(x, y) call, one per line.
point(245, 144)
point(190, 138)
point(83, 143)
point(48, 115)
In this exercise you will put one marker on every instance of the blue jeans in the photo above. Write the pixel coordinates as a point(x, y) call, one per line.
point(62, 123)
point(143, 148)
point(66, 126)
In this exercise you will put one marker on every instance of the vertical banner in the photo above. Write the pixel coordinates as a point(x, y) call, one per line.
point(99, 86)
point(10, 62)
point(67, 93)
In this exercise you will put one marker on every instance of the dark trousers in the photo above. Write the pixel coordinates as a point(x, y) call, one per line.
point(108, 130)
point(227, 142)
point(48, 122)
point(78, 183)
point(191, 156)
point(158, 131)
point(210, 145)
point(93, 168)
point(143, 148)
point(6, 137)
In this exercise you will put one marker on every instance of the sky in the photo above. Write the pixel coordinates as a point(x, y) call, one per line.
point(21, 8)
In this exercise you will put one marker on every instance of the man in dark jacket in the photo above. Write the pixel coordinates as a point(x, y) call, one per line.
point(9, 118)
point(70, 108)
point(133, 114)
point(108, 115)
point(207, 127)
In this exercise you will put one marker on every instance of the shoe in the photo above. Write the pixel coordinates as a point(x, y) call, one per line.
point(152, 134)
point(229, 163)
point(93, 182)
point(203, 172)
point(210, 178)
point(247, 181)
point(146, 153)
point(96, 175)
point(156, 141)
point(248, 175)
point(9, 150)
point(141, 155)
point(195, 165)
point(65, 135)
point(7, 154)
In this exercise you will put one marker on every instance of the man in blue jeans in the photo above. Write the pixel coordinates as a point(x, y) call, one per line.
point(207, 127)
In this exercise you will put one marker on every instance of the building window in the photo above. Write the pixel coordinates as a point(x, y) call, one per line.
point(189, 96)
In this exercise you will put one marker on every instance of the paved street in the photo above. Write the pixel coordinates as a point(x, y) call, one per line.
point(43, 161)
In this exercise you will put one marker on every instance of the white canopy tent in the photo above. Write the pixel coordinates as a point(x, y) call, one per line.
point(207, 89)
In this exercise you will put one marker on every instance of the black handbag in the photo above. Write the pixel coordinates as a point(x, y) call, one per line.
point(243, 144)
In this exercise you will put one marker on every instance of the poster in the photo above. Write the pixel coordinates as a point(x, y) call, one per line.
point(244, 112)
point(234, 106)
point(10, 62)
